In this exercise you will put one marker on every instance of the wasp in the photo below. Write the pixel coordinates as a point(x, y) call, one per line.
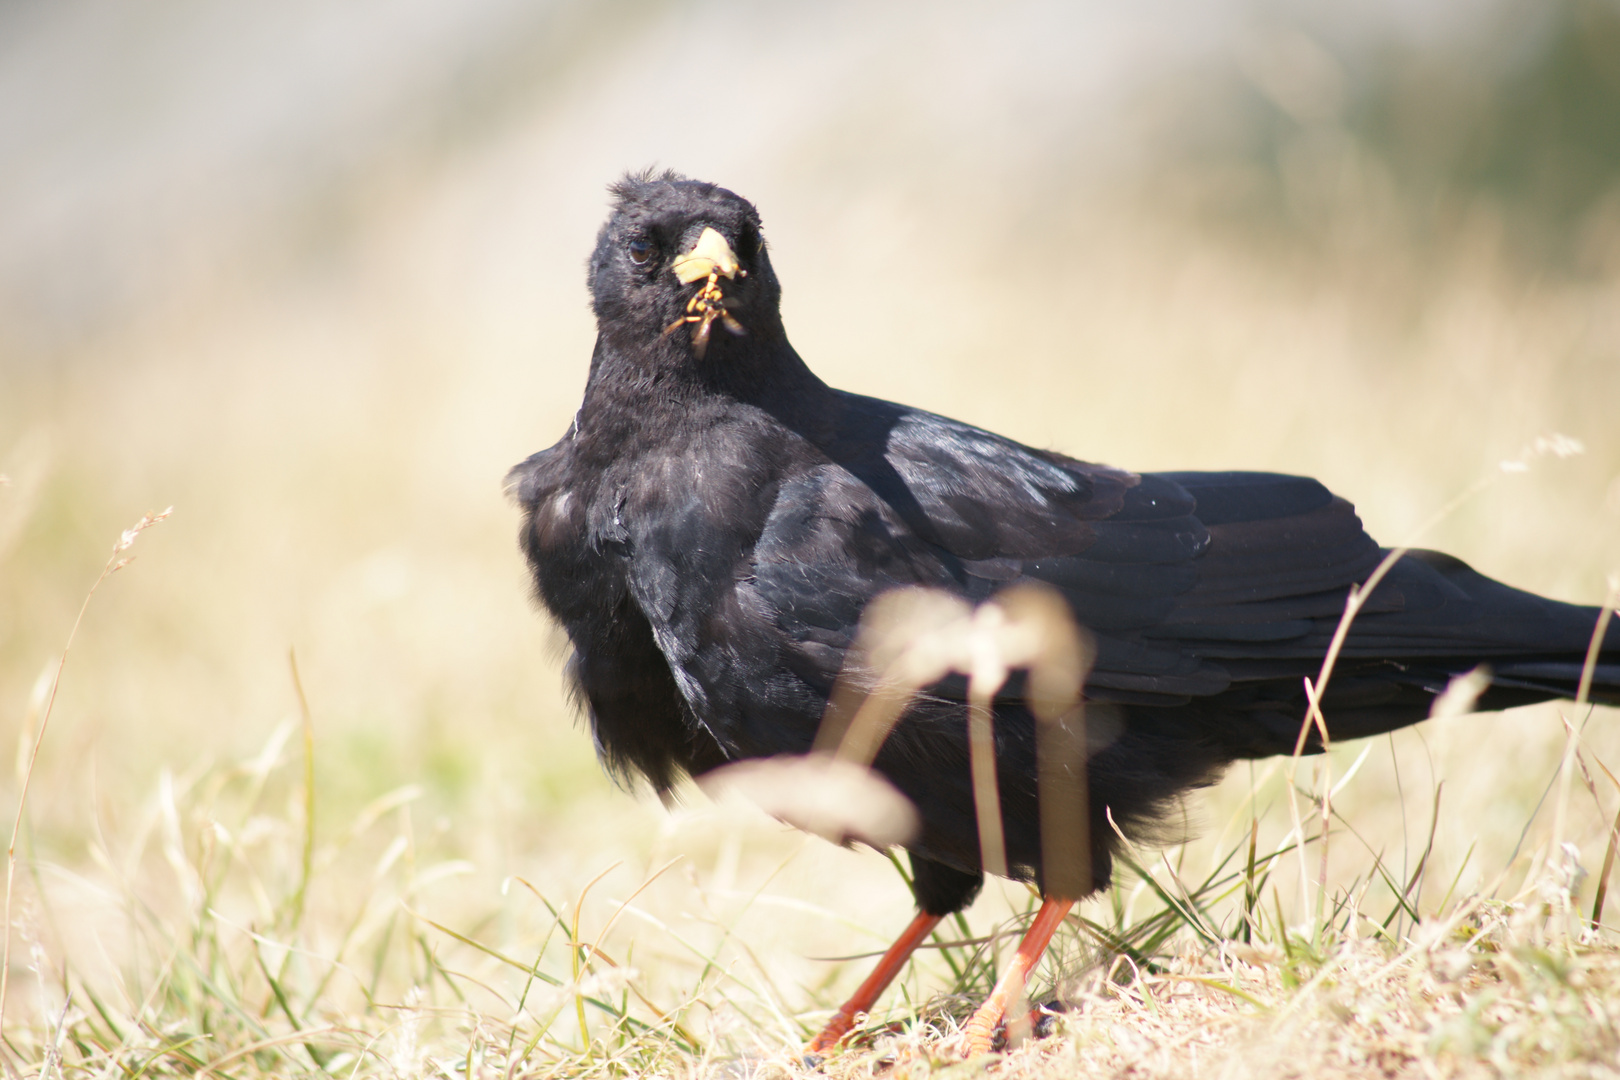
point(706, 306)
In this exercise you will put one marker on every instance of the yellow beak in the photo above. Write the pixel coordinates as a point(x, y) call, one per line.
point(710, 255)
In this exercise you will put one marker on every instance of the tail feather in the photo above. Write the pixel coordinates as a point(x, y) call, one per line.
point(1560, 678)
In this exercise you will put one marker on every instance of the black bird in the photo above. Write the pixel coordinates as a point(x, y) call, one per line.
point(711, 527)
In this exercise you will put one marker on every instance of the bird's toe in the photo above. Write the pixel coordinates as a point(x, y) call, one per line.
point(979, 1034)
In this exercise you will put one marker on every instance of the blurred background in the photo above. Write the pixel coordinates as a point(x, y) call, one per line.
point(313, 274)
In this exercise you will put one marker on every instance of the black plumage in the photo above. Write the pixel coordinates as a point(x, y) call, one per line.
point(711, 527)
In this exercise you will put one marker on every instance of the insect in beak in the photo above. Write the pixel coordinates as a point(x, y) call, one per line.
point(711, 258)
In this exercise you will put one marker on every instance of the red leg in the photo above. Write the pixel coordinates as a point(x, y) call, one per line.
point(877, 982)
point(981, 1027)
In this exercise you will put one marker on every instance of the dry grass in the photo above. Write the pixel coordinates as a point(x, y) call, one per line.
point(438, 881)
point(248, 947)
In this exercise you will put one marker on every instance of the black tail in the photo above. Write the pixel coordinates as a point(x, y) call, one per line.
point(1434, 617)
point(1431, 619)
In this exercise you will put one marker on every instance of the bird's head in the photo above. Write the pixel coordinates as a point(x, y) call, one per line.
point(680, 269)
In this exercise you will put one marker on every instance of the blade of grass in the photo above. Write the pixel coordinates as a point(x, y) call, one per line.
point(116, 562)
point(1416, 879)
point(604, 1006)
point(163, 1052)
point(1609, 853)
point(1250, 894)
point(1445, 901)
point(315, 1053)
point(1163, 895)
point(296, 904)
point(212, 1067)
point(1603, 874)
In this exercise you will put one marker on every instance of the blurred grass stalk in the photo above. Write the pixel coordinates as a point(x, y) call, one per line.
point(115, 562)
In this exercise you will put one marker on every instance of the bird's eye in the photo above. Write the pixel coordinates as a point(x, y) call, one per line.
point(640, 251)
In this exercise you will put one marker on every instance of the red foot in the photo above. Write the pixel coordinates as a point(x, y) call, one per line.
point(843, 1021)
point(841, 1024)
point(979, 1033)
